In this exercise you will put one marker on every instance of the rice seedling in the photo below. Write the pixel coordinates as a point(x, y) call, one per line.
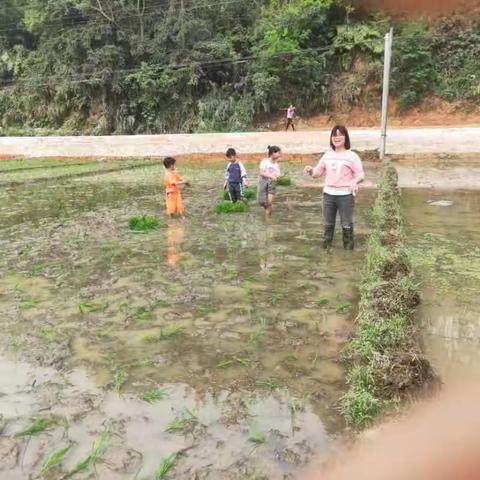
point(155, 395)
point(322, 302)
point(284, 181)
point(255, 338)
point(143, 224)
point(344, 307)
point(28, 304)
point(295, 406)
point(48, 332)
point(164, 333)
point(248, 194)
point(98, 448)
point(226, 364)
point(256, 436)
point(38, 426)
point(205, 309)
point(54, 459)
point(244, 362)
point(184, 424)
point(119, 378)
point(92, 307)
point(165, 466)
point(267, 384)
point(143, 314)
point(230, 207)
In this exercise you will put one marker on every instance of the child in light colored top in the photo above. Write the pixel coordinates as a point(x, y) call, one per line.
point(235, 176)
point(343, 172)
point(269, 172)
point(172, 182)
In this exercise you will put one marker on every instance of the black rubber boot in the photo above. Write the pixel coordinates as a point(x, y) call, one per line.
point(328, 236)
point(348, 241)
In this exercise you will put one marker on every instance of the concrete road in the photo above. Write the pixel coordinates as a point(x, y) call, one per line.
point(399, 141)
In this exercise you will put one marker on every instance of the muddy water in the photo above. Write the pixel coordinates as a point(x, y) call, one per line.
point(235, 321)
point(445, 241)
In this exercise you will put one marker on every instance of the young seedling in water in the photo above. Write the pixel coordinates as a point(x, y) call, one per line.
point(155, 395)
point(205, 309)
point(267, 384)
point(164, 334)
point(27, 304)
point(323, 302)
point(143, 224)
point(226, 206)
point(255, 338)
point(165, 466)
point(284, 181)
point(98, 448)
point(184, 424)
point(295, 406)
point(256, 436)
point(119, 378)
point(48, 332)
point(92, 307)
point(37, 426)
point(344, 307)
point(54, 460)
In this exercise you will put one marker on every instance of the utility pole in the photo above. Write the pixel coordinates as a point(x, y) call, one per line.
point(386, 82)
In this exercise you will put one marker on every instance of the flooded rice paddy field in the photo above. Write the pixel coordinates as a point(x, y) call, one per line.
point(445, 242)
point(217, 339)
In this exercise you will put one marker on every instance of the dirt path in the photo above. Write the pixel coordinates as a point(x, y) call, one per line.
point(400, 141)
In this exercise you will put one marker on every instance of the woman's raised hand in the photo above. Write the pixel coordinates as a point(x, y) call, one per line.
point(308, 169)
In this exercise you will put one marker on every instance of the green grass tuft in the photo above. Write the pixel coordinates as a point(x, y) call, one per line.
point(256, 436)
point(37, 426)
point(248, 194)
point(230, 207)
point(165, 466)
point(98, 448)
point(184, 424)
point(284, 181)
point(54, 459)
point(155, 395)
point(144, 223)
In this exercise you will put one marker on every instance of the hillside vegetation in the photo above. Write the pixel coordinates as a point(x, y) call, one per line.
point(154, 66)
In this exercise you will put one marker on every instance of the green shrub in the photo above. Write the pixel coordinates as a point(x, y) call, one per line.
point(230, 207)
point(284, 181)
point(143, 223)
point(248, 193)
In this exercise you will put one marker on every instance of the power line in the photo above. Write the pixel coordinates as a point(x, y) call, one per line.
point(191, 64)
point(82, 20)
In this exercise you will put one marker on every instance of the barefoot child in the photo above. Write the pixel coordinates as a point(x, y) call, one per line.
point(172, 182)
point(269, 172)
point(235, 176)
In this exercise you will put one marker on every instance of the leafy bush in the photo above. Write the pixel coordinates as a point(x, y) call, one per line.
point(230, 207)
point(413, 73)
point(248, 193)
point(143, 224)
point(284, 181)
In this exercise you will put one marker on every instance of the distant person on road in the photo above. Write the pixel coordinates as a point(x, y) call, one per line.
point(269, 172)
point(172, 182)
point(291, 115)
point(343, 171)
point(235, 176)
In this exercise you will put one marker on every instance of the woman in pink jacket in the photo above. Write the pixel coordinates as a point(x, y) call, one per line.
point(343, 172)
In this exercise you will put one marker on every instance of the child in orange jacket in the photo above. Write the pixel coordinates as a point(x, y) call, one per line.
point(172, 182)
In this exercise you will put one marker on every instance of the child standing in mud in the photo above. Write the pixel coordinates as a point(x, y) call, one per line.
point(172, 182)
point(269, 172)
point(235, 176)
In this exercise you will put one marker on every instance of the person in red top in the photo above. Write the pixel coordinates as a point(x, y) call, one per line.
point(172, 182)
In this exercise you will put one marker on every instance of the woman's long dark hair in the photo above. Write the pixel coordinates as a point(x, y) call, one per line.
point(273, 149)
point(343, 130)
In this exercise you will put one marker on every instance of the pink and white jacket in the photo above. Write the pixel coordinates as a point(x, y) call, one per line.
point(343, 171)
